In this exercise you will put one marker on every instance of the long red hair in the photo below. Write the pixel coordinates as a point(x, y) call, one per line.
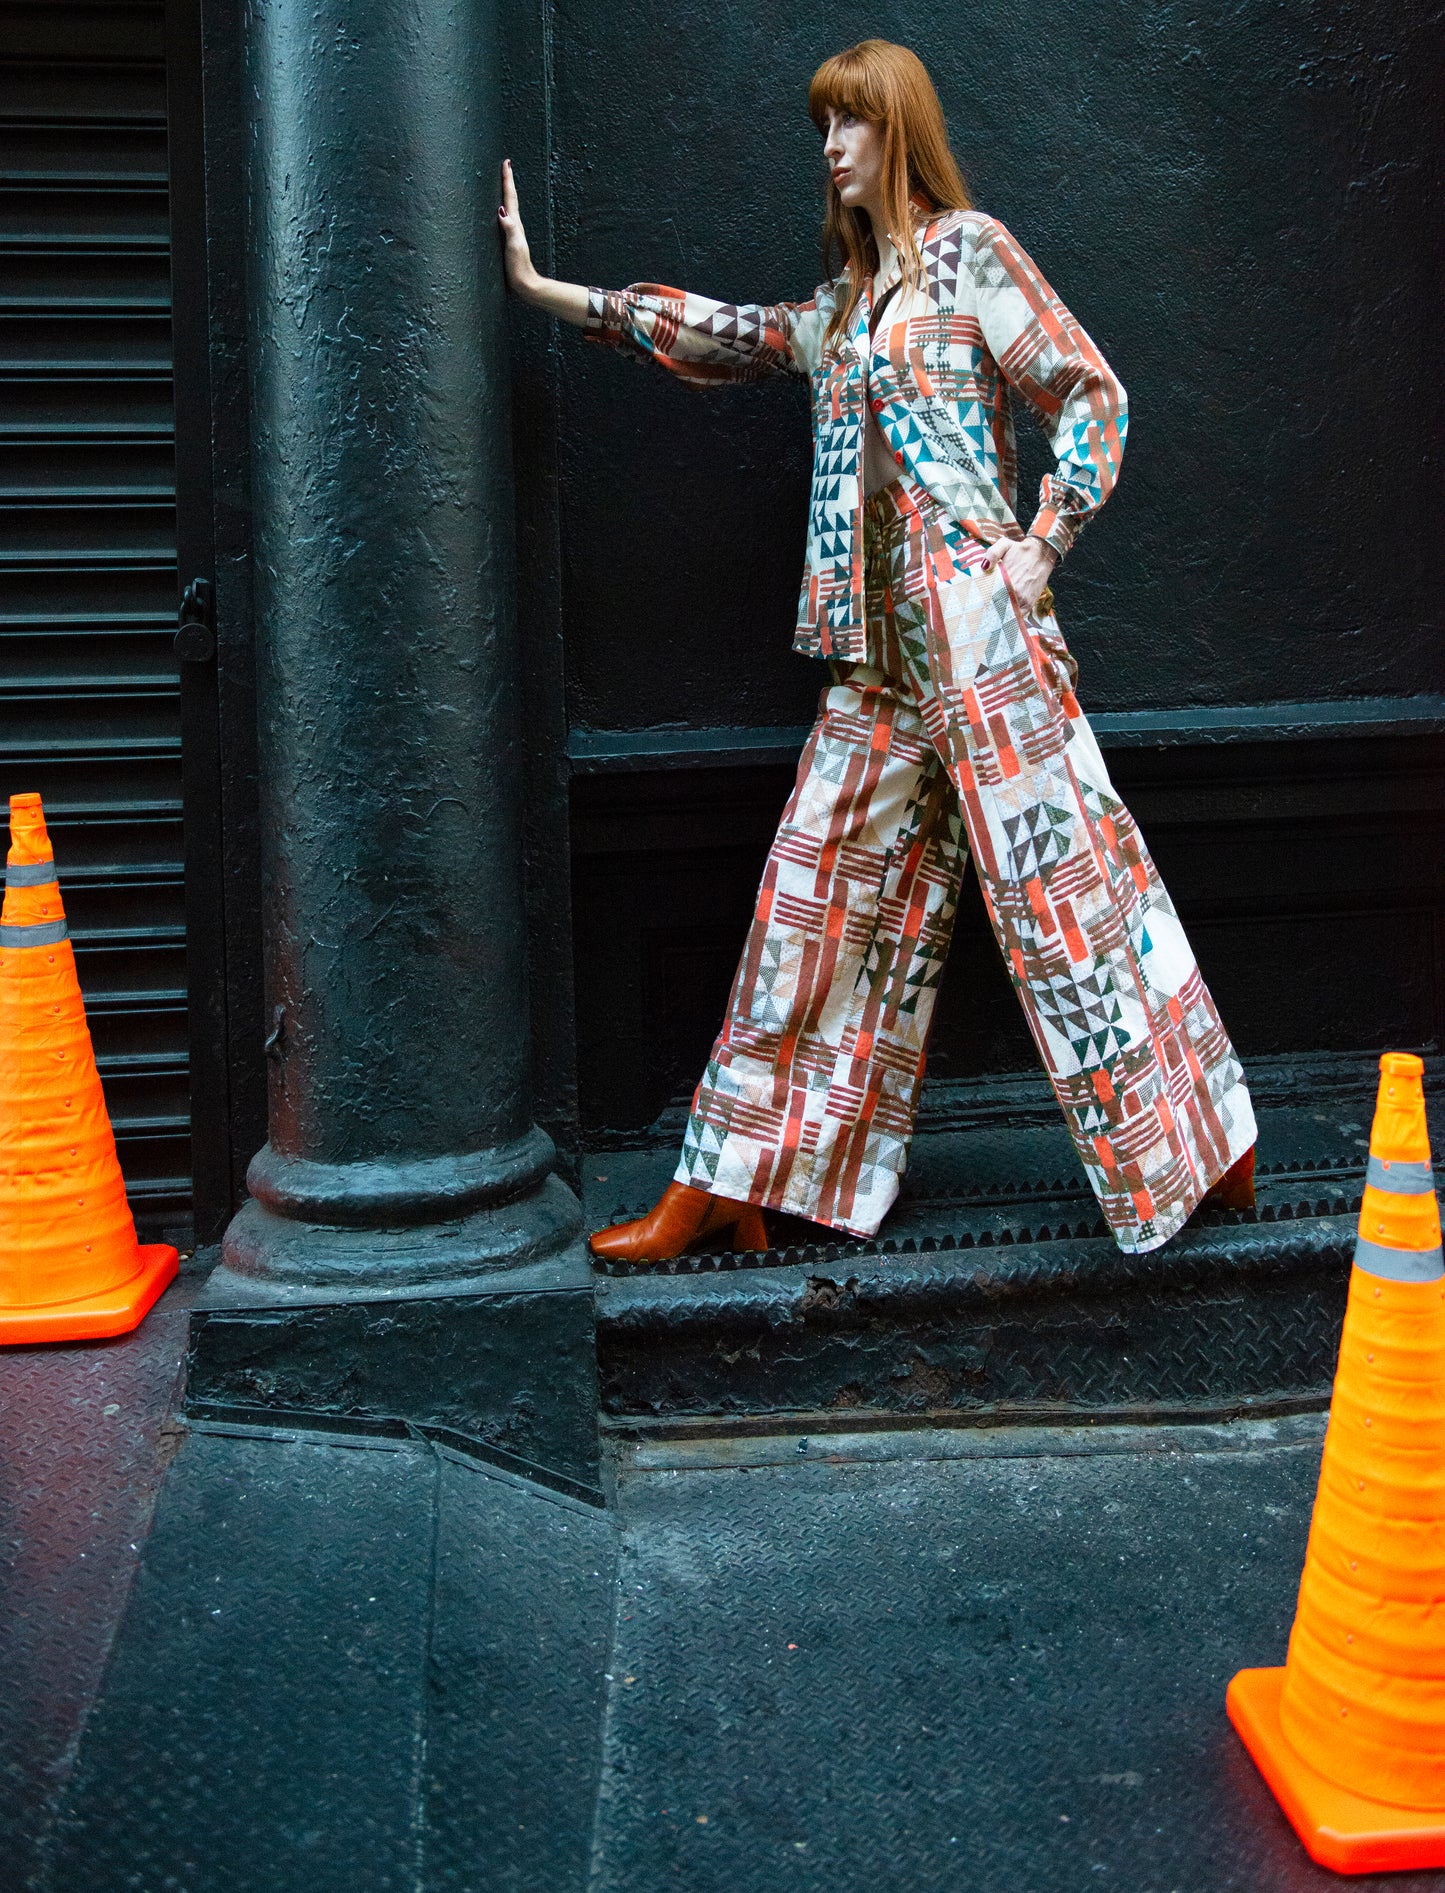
point(889, 86)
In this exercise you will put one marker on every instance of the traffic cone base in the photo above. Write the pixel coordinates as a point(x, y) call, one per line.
point(1343, 1831)
point(96, 1317)
point(70, 1266)
point(1350, 1733)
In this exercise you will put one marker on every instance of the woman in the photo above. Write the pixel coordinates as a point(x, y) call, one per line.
point(950, 721)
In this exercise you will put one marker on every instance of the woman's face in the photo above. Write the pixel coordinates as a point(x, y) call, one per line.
point(853, 149)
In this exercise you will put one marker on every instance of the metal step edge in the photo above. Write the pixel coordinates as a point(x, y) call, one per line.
point(84, 308)
point(99, 504)
point(815, 1427)
point(53, 370)
point(75, 498)
point(111, 372)
point(877, 1285)
point(87, 243)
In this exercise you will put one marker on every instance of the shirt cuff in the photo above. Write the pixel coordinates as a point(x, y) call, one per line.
point(1056, 529)
point(604, 321)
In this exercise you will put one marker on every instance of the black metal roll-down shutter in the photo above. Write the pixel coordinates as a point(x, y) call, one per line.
point(89, 705)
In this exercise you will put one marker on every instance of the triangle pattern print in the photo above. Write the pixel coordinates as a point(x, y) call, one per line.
point(1039, 836)
point(772, 995)
point(1085, 1011)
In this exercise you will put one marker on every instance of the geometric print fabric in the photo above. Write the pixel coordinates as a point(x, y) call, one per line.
point(981, 334)
point(959, 731)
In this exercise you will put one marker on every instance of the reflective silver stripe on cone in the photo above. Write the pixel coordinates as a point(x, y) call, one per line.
point(43, 933)
point(1400, 1265)
point(30, 873)
point(1404, 1179)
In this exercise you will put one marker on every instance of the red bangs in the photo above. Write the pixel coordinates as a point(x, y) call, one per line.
point(846, 83)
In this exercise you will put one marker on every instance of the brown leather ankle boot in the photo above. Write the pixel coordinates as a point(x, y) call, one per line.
point(682, 1216)
point(1235, 1189)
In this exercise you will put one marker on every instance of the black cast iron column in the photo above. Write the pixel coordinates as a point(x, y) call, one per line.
point(401, 1153)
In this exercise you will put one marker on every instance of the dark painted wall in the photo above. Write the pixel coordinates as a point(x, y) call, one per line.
point(1239, 204)
point(1243, 207)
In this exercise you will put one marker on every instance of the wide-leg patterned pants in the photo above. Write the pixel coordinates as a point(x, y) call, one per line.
point(961, 730)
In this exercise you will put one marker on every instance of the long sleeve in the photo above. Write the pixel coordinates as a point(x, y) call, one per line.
point(706, 342)
point(1043, 352)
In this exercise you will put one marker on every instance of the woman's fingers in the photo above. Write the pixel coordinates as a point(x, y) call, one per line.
point(517, 258)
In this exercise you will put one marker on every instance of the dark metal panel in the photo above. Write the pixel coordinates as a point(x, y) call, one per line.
point(208, 156)
point(89, 705)
point(212, 1158)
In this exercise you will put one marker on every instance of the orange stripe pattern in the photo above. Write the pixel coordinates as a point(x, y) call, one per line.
point(960, 730)
point(942, 379)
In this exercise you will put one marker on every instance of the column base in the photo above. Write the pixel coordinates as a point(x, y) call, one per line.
point(368, 1227)
point(512, 1368)
point(483, 1326)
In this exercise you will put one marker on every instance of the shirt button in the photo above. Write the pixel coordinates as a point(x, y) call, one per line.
point(877, 406)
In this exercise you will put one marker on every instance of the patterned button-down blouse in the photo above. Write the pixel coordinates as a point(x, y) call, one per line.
point(938, 379)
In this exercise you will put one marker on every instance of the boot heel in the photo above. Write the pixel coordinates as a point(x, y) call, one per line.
point(1235, 1189)
point(750, 1232)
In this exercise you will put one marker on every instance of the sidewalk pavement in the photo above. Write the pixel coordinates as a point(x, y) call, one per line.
point(964, 1660)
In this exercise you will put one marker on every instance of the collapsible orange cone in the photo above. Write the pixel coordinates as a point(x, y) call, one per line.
point(70, 1266)
point(1350, 1734)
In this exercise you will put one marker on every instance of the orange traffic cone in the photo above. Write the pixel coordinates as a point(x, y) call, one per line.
point(1350, 1734)
point(70, 1266)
